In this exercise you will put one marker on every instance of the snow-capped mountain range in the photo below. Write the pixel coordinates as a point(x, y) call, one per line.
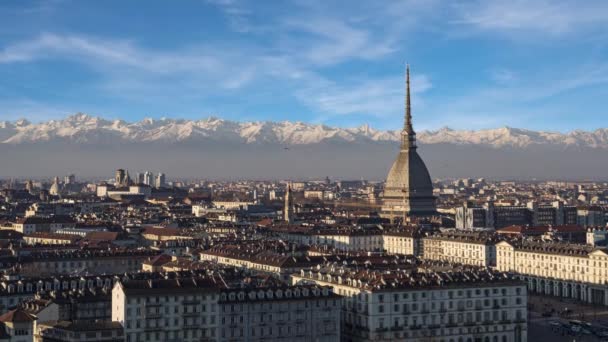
point(82, 128)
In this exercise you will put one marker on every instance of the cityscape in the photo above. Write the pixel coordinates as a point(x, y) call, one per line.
point(123, 230)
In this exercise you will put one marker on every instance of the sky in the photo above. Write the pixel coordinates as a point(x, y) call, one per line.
point(539, 64)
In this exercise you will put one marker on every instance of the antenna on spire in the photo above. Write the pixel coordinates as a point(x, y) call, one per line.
point(408, 136)
point(408, 107)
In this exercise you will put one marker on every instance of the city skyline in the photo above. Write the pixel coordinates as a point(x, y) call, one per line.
point(536, 65)
point(255, 171)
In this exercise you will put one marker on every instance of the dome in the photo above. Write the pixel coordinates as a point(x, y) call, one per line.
point(409, 186)
point(409, 173)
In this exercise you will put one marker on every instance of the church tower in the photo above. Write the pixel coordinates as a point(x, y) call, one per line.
point(288, 207)
point(408, 191)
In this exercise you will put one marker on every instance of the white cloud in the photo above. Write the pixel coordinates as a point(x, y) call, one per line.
point(377, 97)
point(334, 41)
point(541, 16)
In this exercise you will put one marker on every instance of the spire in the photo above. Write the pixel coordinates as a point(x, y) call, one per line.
point(408, 108)
point(408, 136)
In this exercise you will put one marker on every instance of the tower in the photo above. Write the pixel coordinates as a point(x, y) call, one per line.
point(288, 207)
point(127, 180)
point(119, 177)
point(408, 191)
point(29, 186)
point(160, 180)
point(148, 178)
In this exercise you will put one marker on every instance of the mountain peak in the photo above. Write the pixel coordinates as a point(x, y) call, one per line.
point(84, 128)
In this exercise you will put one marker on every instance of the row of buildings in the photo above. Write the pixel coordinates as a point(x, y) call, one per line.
point(488, 215)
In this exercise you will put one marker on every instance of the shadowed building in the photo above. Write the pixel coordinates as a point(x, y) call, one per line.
point(409, 190)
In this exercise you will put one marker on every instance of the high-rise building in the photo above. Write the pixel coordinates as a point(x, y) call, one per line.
point(69, 179)
point(409, 190)
point(139, 178)
point(148, 178)
point(160, 180)
point(119, 177)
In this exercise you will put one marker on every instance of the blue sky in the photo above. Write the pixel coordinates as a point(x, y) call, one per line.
point(475, 64)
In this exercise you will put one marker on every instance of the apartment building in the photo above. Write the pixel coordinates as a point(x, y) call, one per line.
point(468, 248)
point(416, 306)
point(294, 313)
point(558, 269)
point(180, 309)
point(401, 242)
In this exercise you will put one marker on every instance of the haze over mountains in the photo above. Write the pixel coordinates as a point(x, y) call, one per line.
point(216, 148)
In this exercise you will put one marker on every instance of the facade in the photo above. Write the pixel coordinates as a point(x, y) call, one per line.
point(167, 309)
point(295, 313)
point(342, 239)
point(84, 262)
point(79, 331)
point(559, 269)
point(409, 190)
point(591, 216)
point(401, 242)
point(263, 261)
point(461, 248)
point(471, 217)
point(490, 216)
point(401, 306)
point(203, 309)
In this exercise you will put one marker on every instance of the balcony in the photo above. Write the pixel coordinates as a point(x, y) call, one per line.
point(415, 327)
